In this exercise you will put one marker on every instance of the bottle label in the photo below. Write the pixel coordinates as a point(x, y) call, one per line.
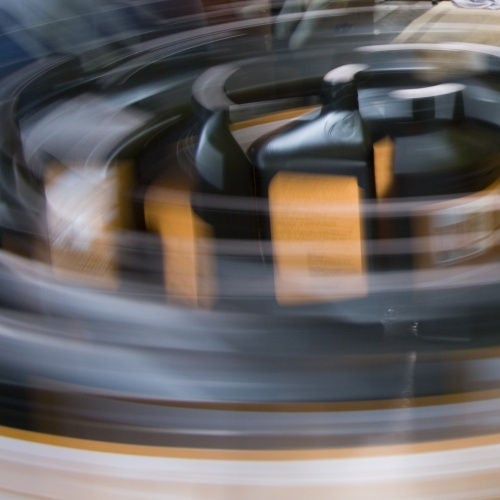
point(86, 207)
point(383, 158)
point(460, 230)
point(187, 243)
point(317, 237)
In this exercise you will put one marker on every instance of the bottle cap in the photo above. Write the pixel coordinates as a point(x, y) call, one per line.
point(339, 89)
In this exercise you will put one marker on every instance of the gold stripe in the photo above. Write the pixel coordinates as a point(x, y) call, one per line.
point(288, 114)
point(310, 407)
point(251, 455)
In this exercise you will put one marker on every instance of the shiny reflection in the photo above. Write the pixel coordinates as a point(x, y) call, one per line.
point(248, 237)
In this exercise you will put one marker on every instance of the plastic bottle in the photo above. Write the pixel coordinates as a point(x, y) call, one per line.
point(315, 174)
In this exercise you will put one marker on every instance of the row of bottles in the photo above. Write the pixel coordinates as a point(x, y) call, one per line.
point(312, 212)
point(342, 198)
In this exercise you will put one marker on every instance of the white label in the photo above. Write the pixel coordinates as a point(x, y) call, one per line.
point(464, 228)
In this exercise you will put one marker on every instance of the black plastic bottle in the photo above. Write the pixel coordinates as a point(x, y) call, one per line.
point(226, 182)
point(315, 175)
point(446, 163)
point(224, 198)
point(445, 179)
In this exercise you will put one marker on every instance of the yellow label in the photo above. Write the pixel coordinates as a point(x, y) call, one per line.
point(86, 207)
point(186, 239)
point(317, 236)
point(383, 156)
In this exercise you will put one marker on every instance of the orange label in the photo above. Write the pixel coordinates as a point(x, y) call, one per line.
point(317, 236)
point(186, 239)
point(383, 156)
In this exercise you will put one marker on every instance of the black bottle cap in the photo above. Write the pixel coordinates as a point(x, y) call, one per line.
point(339, 89)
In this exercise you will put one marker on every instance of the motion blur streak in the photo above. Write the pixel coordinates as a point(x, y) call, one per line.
point(468, 469)
point(249, 249)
